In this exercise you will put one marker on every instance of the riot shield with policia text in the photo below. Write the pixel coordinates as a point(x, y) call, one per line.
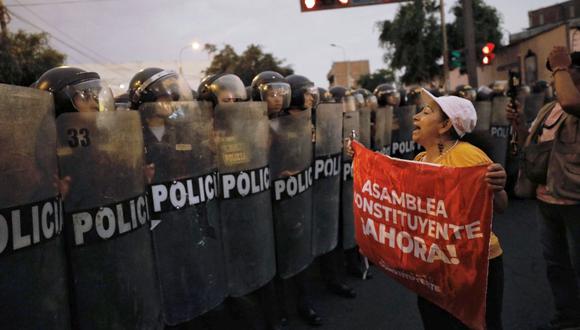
point(350, 129)
point(290, 167)
point(364, 129)
point(402, 145)
point(107, 225)
point(241, 131)
point(382, 129)
point(326, 171)
point(499, 130)
point(33, 279)
point(184, 208)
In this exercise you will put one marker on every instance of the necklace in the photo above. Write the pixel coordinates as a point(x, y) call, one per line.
point(442, 154)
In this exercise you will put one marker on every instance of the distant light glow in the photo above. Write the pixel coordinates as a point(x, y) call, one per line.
point(122, 86)
point(485, 60)
point(310, 3)
point(195, 45)
point(344, 2)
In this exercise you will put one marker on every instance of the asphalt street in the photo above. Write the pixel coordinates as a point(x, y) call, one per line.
point(382, 303)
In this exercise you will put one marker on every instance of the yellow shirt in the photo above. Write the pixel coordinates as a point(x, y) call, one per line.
point(466, 155)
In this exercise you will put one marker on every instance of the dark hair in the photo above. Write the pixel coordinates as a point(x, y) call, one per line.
point(454, 134)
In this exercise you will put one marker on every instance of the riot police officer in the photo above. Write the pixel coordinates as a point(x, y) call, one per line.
point(387, 94)
point(222, 88)
point(76, 90)
point(414, 96)
point(342, 95)
point(272, 88)
point(242, 139)
point(33, 262)
point(304, 99)
point(187, 241)
point(101, 163)
point(466, 92)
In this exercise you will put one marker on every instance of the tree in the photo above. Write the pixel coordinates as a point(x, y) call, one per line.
point(371, 81)
point(26, 56)
point(487, 22)
point(413, 41)
point(413, 38)
point(246, 65)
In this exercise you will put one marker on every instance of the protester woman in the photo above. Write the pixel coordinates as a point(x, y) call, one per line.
point(439, 128)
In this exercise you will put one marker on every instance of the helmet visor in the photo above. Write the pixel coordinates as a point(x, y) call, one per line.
point(372, 102)
point(229, 88)
point(91, 96)
point(469, 94)
point(394, 99)
point(276, 94)
point(359, 100)
point(311, 97)
point(172, 88)
point(349, 103)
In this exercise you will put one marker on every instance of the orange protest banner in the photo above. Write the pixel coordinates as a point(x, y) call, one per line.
point(428, 227)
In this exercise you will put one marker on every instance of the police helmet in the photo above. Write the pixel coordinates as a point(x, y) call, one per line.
point(75, 90)
point(387, 94)
point(222, 88)
point(157, 85)
point(466, 92)
point(271, 84)
point(304, 93)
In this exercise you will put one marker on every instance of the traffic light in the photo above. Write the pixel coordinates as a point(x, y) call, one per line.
point(487, 52)
point(456, 59)
point(314, 5)
point(311, 5)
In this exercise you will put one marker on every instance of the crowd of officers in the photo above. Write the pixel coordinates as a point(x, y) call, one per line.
point(185, 201)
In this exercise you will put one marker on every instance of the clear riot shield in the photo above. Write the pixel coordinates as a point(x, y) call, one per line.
point(483, 109)
point(33, 281)
point(499, 130)
point(326, 171)
point(377, 129)
point(242, 137)
point(290, 167)
point(350, 123)
point(382, 130)
point(184, 207)
point(107, 225)
point(365, 126)
point(402, 145)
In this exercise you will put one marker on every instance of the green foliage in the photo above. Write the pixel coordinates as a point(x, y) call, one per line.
point(26, 56)
point(246, 65)
point(487, 25)
point(413, 41)
point(371, 81)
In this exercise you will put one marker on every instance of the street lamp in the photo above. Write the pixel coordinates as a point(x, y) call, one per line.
point(347, 63)
point(194, 46)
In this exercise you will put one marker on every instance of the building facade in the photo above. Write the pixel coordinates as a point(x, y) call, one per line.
point(340, 72)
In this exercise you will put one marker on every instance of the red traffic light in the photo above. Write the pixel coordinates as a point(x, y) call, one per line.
point(488, 54)
point(343, 2)
point(487, 58)
point(488, 48)
point(309, 4)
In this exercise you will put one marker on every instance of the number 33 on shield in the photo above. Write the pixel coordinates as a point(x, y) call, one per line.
point(78, 137)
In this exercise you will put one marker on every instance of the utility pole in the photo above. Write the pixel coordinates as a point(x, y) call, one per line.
point(445, 47)
point(4, 19)
point(468, 25)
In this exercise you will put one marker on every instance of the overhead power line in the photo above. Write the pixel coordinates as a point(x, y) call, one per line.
point(71, 38)
point(54, 3)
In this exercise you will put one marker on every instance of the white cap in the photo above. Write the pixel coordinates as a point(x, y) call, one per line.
point(459, 110)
